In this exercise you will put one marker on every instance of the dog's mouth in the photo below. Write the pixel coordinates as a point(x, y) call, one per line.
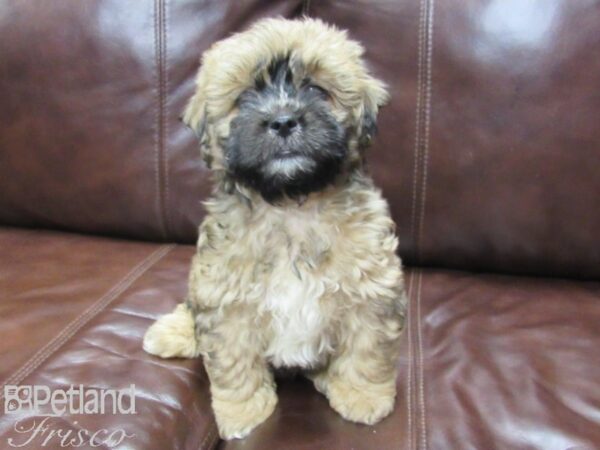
point(289, 149)
point(289, 154)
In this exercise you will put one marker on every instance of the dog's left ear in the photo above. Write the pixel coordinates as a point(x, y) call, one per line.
point(375, 95)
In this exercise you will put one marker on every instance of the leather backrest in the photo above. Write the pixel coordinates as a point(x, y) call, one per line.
point(490, 148)
point(91, 94)
point(489, 151)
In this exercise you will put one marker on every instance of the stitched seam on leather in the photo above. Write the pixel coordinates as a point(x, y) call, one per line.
point(91, 312)
point(166, 209)
point(423, 440)
point(208, 438)
point(417, 146)
point(409, 378)
point(156, 117)
point(427, 123)
point(215, 440)
point(160, 113)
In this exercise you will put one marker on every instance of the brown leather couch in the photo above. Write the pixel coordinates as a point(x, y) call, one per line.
point(489, 153)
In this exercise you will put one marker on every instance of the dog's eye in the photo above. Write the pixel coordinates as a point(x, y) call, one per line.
point(317, 90)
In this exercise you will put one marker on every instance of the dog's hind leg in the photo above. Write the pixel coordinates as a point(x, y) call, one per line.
point(173, 335)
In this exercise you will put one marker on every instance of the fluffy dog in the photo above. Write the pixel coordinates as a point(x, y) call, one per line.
point(296, 262)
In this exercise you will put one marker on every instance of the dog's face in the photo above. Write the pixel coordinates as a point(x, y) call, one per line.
point(284, 107)
point(285, 138)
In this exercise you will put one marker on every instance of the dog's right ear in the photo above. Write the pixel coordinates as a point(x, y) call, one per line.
point(196, 118)
point(194, 115)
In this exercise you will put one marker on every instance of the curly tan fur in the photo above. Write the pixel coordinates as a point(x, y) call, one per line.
point(315, 282)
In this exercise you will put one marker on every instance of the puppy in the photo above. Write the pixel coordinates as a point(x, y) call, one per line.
point(296, 261)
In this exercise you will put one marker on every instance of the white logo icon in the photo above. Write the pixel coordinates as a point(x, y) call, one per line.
point(17, 398)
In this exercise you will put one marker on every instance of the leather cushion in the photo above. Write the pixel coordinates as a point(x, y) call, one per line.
point(74, 310)
point(488, 361)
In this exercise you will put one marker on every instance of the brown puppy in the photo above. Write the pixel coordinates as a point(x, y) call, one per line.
point(296, 263)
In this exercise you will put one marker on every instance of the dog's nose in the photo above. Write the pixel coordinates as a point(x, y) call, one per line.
point(283, 125)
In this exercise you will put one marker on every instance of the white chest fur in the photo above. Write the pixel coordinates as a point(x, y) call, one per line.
point(293, 297)
point(298, 325)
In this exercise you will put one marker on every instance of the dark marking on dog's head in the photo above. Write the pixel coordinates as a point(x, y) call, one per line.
point(285, 140)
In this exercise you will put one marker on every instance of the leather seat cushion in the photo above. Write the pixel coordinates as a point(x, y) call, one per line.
point(488, 361)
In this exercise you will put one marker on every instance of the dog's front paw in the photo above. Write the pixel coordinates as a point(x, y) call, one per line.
point(173, 335)
point(236, 420)
point(367, 404)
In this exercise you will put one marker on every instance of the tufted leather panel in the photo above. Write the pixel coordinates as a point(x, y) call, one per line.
point(92, 91)
point(490, 148)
